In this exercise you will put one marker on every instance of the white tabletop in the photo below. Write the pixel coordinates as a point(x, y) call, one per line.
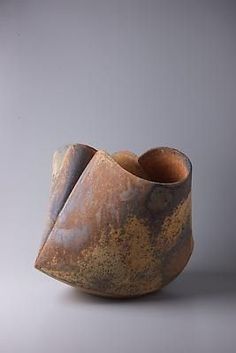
point(196, 313)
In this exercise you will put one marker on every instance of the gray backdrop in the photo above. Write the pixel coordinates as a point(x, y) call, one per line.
point(116, 74)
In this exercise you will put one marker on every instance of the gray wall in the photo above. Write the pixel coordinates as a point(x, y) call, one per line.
point(117, 75)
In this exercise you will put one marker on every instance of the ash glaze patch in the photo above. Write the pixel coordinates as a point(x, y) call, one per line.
point(171, 228)
point(106, 265)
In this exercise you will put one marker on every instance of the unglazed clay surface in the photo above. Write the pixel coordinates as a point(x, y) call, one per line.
point(118, 225)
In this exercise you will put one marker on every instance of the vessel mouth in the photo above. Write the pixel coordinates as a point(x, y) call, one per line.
point(165, 165)
point(129, 162)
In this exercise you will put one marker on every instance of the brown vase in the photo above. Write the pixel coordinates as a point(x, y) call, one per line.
point(119, 225)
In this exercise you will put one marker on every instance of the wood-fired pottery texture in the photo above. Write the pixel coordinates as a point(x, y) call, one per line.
point(118, 225)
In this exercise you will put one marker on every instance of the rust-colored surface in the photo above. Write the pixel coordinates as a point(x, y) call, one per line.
point(119, 225)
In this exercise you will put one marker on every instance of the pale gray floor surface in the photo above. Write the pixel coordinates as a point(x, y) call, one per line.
point(195, 313)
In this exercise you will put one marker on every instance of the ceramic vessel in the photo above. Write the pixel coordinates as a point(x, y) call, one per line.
point(118, 225)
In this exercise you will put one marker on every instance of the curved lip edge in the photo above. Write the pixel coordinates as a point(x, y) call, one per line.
point(150, 182)
point(82, 145)
point(175, 150)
